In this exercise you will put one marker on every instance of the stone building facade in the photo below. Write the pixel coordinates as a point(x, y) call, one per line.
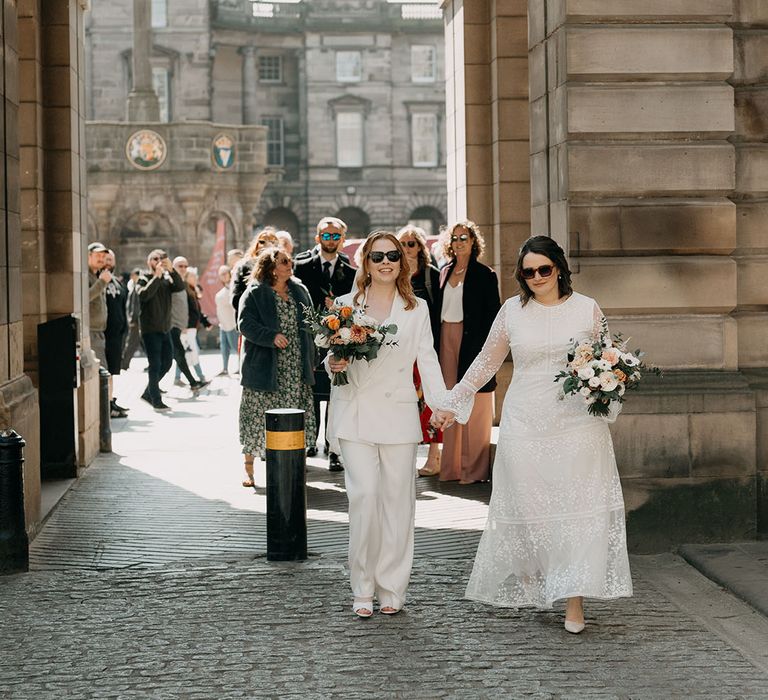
point(635, 135)
point(43, 273)
point(350, 93)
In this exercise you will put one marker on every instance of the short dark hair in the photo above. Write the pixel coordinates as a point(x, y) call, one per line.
point(548, 247)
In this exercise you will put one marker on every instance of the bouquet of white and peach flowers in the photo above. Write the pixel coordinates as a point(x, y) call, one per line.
point(601, 370)
point(348, 333)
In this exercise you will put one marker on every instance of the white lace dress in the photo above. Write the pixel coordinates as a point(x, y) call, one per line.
point(556, 517)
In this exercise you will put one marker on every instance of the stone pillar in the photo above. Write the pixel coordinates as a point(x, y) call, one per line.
point(250, 84)
point(750, 82)
point(143, 105)
point(632, 171)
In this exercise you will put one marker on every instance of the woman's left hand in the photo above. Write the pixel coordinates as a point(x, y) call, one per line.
point(443, 419)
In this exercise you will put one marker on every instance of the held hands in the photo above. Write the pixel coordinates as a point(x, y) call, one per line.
point(443, 420)
point(281, 341)
point(337, 364)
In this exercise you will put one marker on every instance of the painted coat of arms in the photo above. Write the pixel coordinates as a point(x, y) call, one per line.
point(223, 151)
point(146, 150)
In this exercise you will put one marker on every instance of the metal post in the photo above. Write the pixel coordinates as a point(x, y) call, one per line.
point(105, 426)
point(14, 543)
point(286, 486)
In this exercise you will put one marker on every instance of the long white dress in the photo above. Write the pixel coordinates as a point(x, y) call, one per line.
point(556, 518)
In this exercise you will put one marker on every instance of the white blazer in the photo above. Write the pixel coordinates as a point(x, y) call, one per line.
point(379, 405)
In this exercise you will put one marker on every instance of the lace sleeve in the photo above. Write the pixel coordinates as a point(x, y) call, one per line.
point(462, 397)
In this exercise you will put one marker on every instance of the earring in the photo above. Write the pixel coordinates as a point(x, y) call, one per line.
point(559, 277)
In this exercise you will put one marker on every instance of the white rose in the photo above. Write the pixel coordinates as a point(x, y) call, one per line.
point(622, 389)
point(345, 334)
point(608, 381)
point(586, 373)
point(585, 391)
point(594, 382)
point(322, 341)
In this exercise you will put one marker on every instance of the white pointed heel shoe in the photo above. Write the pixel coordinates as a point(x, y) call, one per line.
point(574, 627)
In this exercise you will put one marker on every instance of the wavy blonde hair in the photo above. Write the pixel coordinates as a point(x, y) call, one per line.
point(403, 281)
point(478, 242)
point(420, 236)
point(265, 235)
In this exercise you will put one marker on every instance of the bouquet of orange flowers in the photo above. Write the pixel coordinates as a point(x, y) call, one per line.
point(349, 334)
point(602, 369)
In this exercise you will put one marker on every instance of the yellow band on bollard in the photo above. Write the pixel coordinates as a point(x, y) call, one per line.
point(285, 440)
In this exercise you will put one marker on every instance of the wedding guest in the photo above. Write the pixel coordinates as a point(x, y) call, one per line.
point(375, 420)
point(98, 279)
point(243, 269)
point(326, 272)
point(227, 323)
point(180, 328)
point(279, 357)
point(286, 241)
point(196, 320)
point(556, 525)
point(425, 280)
point(469, 300)
point(114, 333)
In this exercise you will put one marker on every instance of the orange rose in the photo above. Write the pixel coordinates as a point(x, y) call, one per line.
point(333, 323)
point(620, 375)
point(345, 311)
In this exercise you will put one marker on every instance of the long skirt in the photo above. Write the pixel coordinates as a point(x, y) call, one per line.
point(466, 448)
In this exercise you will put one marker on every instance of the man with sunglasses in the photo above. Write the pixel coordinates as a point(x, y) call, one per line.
point(327, 274)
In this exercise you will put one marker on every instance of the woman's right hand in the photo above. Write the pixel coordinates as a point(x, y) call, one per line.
point(281, 341)
point(337, 364)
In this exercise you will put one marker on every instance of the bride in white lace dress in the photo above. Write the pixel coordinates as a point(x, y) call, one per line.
point(555, 525)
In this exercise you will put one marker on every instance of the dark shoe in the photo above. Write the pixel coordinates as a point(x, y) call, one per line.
point(160, 406)
point(312, 451)
point(199, 385)
point(334, 463)
point(146, 397)
point(117, 407)
point(114, 413)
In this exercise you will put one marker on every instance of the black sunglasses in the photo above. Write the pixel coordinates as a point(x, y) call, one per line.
point(377, 256)
point(330, 236)
point(462, 237)
point(410, 244)
point(528, 273)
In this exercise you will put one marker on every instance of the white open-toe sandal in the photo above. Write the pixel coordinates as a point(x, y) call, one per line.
point(362, 608)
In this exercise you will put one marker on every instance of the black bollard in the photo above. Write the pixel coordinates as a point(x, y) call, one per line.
point(286, 486)
point(105, 410)
point(14, 543)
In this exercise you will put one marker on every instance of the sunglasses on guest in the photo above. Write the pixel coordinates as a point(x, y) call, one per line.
point(410, 244)
point(461, 237)
point(377, 256)
point(284, 261)
point(528, 273)
point(326, 236)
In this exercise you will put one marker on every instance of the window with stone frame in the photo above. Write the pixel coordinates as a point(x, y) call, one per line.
point(159, 13)
point(349, 139)
point(270, 69)
point(425, 148)
point(161, 81)
point(275, 140)
point(423, 63)
point(349, 66)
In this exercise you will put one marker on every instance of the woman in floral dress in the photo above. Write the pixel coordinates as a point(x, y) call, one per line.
point(279, 357)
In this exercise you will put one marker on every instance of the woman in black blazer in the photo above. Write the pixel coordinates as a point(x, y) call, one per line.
point(468, 301)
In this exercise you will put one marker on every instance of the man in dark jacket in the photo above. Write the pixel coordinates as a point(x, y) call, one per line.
point(155, 289)
point(327, 274)
point(114, 334)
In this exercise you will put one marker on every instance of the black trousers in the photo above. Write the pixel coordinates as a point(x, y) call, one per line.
point(160, 357)
point(180, 357)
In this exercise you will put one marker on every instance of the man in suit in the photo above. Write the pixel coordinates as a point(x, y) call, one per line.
point(326, 272)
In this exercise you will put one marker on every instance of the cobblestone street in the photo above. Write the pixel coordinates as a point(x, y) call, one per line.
point(149, 581)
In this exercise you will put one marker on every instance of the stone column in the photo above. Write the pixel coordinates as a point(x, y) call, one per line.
point(143, 105)
point(250, 83)
point(750, 24)
point(632, 171)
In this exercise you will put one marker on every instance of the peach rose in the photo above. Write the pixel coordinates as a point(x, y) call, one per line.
point(620, 375)
point(333, 323)
point(611, 354)
point(345, 311)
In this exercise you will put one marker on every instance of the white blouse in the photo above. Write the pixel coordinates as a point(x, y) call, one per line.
point(453, 310)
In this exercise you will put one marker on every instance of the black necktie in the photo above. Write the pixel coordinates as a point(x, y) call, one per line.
point(327, 271)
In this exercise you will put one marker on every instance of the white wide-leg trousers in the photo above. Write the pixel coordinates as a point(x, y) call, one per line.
point(381, 488)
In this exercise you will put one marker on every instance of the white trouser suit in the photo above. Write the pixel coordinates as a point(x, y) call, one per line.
point(375, 420)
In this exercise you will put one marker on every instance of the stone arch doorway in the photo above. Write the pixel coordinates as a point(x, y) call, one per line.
point(357, 221)
point(429, 218)
point(283, 219)
point(139, 234)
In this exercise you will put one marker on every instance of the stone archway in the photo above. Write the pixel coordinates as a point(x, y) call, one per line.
point(429, 218)
point(283, 219)
point(358, 222)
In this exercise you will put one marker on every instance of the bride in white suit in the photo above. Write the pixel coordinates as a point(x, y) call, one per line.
point(375, 419)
